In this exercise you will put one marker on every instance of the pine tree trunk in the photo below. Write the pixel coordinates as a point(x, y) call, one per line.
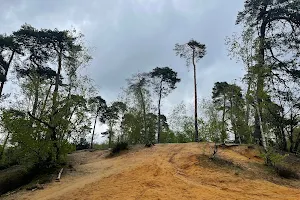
point(46, 99)
point(3, 146)
point(237, 138)
point(196, 104)
point(297, 143)
point(54, 105)
point(248, 103)
point(260, 85)
point(223, 120)
point(110, 135)
point(291, 132)
point(56, 86)
point(283, 141)
point(144, 116)
point(158, 116)
point(263, 139)
point(6, 72)
point(36, 98)
point(93, 133)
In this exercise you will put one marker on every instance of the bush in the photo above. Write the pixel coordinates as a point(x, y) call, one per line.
point(14, 177)
point(224, 163)
point(103, 146)
point(10, 158)
point(272, 158)
point(286, 172)
point(83, 144)
point(120, 146)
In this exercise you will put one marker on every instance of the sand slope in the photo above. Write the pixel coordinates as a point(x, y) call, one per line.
point(166, 171)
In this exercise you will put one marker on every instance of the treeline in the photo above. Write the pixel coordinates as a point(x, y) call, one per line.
point(57, 108)
point(50, 109)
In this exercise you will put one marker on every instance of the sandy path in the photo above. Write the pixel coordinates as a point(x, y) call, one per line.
point(170, 171)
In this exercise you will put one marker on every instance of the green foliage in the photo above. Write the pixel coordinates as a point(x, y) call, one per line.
point(273, 63)
point(43, 124)
point(52, 115)
point(11, 157)
point(121, 146)
point(166, 80)
point(212, 125)
point(14, 177)
point(286, 172)
point(272, 158)
point(191, 51)
point(229, 100)
point(138, 91)
point(102, 146)
point(168, 136)
point(83, 144)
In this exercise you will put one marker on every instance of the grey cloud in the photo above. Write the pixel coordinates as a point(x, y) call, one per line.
point(126, 37)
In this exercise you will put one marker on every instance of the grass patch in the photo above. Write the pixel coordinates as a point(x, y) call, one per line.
point(217, 162)
point(224, 162)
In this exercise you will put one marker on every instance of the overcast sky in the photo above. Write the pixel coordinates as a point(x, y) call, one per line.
point(128, 36)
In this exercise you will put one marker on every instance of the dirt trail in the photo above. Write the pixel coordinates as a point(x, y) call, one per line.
point(171, 171)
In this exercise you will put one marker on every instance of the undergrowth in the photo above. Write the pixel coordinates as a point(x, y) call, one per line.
point(119, 147)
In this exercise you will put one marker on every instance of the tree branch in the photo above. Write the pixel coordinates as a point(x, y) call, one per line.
point(39, 120)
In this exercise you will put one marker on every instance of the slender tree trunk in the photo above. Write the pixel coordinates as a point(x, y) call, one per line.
point(223, 119)
point(231, 119)
point(3, 146)
point(144, 116)
point(6, 72)
point(158, 116)
point(36, 98)
point(248, 103)
point(237, 138)
point(110, 135)
point(292, 132)
point(297, 143)
point(46, 99)
point(196, 104)
point(56, 86)
point(260, 85)
point(283, 141)
point(54, 105)
point(93, 133)
point(264, 144)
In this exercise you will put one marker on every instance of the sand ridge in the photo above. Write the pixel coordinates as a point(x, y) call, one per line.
point(165, 171)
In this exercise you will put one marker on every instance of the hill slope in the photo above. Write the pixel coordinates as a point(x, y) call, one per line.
point(168, 171)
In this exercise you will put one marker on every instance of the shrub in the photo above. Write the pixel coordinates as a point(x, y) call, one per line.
point(11, 157)
point(272, 158)
point(83, 144)
point(14, 177)
point(103, 146)
point(224, 162)
point(286, 172)
point(150, 144)
point(120, 146)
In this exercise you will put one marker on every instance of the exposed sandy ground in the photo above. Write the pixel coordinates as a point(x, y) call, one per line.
point(167, 171)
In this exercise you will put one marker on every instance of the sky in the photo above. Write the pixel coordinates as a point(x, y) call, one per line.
point(130, 36)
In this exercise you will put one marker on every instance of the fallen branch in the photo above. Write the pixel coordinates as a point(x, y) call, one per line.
point(35, 187)
point(227, 145)
point(59, 174)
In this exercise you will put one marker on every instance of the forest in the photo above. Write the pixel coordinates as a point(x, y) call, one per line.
point(57, 108)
